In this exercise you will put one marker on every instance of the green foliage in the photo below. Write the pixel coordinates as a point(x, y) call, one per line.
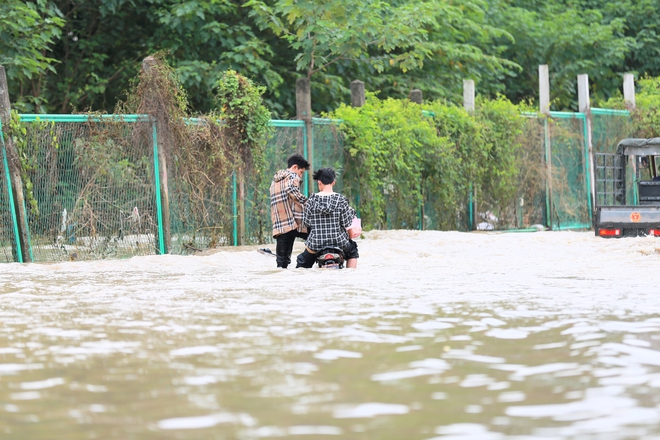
point(642, 27)
point(399, 156)
point(501, 128)
point(570, 40)
point(324, 32)
point(646, 116)
point(28, 152)
point(246, 117)
point(63, 55)
point(27, 31)
point(462, 43)
point(385, 141)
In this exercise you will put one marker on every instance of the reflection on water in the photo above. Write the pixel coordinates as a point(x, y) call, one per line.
point(435, 335)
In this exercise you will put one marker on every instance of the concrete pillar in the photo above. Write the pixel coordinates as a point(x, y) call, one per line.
point(416, 96)
point(584, 106)
point(468, 95)
point(583, 93)
point(357, 93)
point(544, 89)
point(629, 90)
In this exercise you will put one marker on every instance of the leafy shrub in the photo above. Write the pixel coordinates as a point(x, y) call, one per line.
point(410, 163)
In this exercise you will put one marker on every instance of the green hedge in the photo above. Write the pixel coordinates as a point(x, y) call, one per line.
point(408, 163)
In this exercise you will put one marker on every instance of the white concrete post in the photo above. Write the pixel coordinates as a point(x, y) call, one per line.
point(585, 107)
point(629, 90)
point(544, 89)
point(468, 95)
point(544, 107)
point(583, 93)
point(468, 104)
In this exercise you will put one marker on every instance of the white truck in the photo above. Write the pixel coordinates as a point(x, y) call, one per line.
point(628, 190)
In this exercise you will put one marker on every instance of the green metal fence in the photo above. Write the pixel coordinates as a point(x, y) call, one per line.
point(91, 188)
point(94, 189)
point(559, 194)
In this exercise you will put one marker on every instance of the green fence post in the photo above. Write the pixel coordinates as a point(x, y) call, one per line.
point(470, 213)
point(587, 168)
point(421, 208)
point(159, 207)
point(306, 183)
point(548, 181)
point(234, 207)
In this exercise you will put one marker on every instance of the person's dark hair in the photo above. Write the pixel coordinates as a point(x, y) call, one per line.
point(297, 159)
point(325, 175)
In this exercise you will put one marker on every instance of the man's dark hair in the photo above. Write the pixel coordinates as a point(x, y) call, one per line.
point(325, 175)
point(297, 159)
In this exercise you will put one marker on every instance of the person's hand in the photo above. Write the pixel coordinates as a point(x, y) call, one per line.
point(354, 232)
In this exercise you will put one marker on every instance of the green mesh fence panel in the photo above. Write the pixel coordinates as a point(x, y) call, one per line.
point(434, 215)
point(607, 129)
point(7, 236)
point(527, 206)
point(285, 141)
point(569, 203)
point(199, 221)
point(93, 192)
point(530, 202)
point(200, 198)
point(328, 144)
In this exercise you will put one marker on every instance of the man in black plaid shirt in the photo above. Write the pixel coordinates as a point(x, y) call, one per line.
point(327, 215)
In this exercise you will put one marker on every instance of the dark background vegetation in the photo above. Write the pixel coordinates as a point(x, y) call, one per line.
point(73, 55)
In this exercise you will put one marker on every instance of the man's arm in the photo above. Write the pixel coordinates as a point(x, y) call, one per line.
point(347, 215)
point(294, 191)
point(306, 213)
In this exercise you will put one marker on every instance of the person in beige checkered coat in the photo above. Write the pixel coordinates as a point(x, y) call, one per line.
point(286, 208)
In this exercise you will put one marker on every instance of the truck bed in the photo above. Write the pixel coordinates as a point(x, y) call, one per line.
point(633, 221)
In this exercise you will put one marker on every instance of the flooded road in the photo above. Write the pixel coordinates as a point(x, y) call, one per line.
point(436, 335)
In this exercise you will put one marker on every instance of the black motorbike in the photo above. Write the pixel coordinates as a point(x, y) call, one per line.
point(330, 258)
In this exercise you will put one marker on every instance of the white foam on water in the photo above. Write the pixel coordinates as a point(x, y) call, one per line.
point(409, 348)
point(432, 325)
point(637, 355)
point(368, 410)
point(592, 407)
point(10, 350)
point(465, 431)
point(194, 351)
point(42, 384)
point(27, 395)
point(507, 333)
point(15, 368)
point(199, 380)
point(208, 421)
point(331, 355)
point(493, 322)
point(544, 369)
point(314, 430)
point(455, 354)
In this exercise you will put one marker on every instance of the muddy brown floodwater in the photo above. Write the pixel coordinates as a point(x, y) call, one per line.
point(435, 335)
